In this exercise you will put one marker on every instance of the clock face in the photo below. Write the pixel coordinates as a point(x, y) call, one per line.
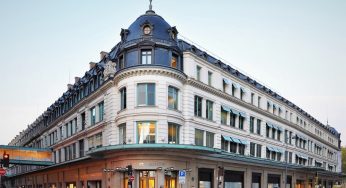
point(147, 30)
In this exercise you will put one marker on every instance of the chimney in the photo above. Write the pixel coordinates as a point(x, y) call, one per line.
point(76, 79)
point(69, 86)
point(103, 54)
point(92, 65)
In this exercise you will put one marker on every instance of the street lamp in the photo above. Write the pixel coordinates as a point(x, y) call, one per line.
point(286, 157)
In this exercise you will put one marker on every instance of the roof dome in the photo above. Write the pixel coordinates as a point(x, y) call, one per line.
point(157, 28)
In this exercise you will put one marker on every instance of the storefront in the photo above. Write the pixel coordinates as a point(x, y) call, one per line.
point(234, 179)
point(300, 183)
point(256, 180)
point(273, 181)
point(205, 178)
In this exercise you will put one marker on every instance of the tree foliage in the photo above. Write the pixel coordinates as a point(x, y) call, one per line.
point(343, 159)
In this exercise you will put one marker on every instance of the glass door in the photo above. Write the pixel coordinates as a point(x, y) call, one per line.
point(147, 179)
point(171, 180)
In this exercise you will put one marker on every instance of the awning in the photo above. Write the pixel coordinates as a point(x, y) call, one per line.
point(242, 114)
point(300, 136)
point(245, 142)
point(229, 109)
point(226, 81)
point(274, 149)
point(320, 162)
point(226, 108)
point(302, 156)
point(269, 103)
point(242, 89)
point(235, 140)
point(227, 138)
point(274, 106)
point(235, 85)
point(269, 125)
point(270, 149)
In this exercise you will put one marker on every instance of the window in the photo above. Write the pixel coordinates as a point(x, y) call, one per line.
point(210, 74)
point(81, 148)
point(172, 98)
point(232, 119)
point(83, 121)
point(241, 149)
point(209, 139)
point(209, 110)
point(258, 126)
point(122, 133)
point(198, 71)
point(224, 144)
point(252, 119)
point(198, 106)
point(199, 134)
point(146, 57)
point(174, 61)
point(267, 131)
point(252, 149)
point(92, 115)
point(146, 132)
point(173, 133)
point(145, 94)
point(101, 111)
point(259, 101)
point(259, 150)
point(223, 116)
point(233, 147)
point(241, 122)
point(123, 98)
point(95, 141)
point(252, 98)
point(242, 92)
point(121, 62)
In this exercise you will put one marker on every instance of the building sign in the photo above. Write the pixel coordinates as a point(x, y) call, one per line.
point(182, 176)
point(27, 154)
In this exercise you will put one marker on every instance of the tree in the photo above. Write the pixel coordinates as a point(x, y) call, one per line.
point(343, 159)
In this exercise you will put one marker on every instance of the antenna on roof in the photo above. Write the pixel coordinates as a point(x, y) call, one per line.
point(150, 5)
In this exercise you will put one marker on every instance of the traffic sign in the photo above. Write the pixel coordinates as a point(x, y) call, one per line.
point(182, 176)
point(2, 171)
point(132, 178)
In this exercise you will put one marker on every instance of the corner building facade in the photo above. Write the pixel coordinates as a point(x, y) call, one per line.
point(160, 105)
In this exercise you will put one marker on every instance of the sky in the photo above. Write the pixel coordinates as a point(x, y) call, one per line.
point(297, 48)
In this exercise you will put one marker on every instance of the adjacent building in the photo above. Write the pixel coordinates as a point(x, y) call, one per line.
point(159, 104)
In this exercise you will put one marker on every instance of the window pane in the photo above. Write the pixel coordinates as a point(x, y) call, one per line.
point(146, 132)
point(199, 137)
point(173, 133)
point(172, 98)
point(151, 94)
point(141, 94)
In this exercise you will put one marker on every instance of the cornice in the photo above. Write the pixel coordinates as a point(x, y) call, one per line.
point(149, 70)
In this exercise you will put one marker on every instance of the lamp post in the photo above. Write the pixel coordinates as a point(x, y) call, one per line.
point(286, 157)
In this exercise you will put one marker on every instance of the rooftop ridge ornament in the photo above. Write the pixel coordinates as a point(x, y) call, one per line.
point(150, 11)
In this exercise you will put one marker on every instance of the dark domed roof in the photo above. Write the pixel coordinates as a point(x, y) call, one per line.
point(160, 28)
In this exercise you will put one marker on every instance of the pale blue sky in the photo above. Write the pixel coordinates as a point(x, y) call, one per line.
point(298, 48)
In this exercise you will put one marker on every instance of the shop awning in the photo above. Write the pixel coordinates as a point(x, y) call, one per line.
point(235, 140)
point(235, 85)
point(226, 81)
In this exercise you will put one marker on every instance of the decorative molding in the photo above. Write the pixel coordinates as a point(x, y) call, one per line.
point(149, 70)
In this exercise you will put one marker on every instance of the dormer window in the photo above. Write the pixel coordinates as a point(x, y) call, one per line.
point(147, 30)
